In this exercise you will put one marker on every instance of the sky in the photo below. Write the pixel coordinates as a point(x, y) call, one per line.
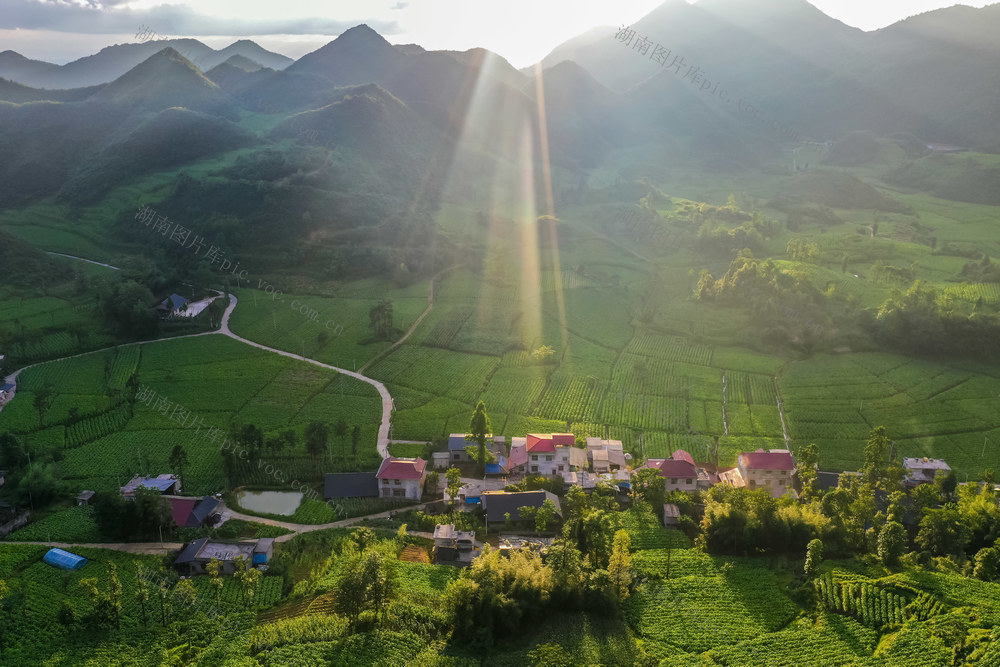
point(522, 31)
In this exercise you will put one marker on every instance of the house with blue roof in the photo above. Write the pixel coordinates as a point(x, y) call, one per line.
point(166, 484)
point(171, 305)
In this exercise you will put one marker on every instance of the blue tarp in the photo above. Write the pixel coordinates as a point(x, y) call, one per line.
point(259, 558)
point(472, 501)
point(64, 560)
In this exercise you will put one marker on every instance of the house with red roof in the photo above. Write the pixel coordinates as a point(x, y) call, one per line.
point(401, 478)
point(681, 473)
point(773, 470)
point(188, 512)
point(677, 474)
point(546, 454)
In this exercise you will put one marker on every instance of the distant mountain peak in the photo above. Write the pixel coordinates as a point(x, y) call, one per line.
point(361, 31)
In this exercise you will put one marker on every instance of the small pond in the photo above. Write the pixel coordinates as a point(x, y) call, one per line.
point(270, 502)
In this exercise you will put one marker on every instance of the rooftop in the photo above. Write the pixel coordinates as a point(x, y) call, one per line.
point(776, 459)
point(395, 468)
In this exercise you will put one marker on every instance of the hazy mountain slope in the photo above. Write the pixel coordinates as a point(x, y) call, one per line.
point(11, 91)
point(24, 265)
point(173, 137)
point(15, 67)
point(359, 55)
point(113, 61)
point(583, 118)
point(166, 79)
point(43, 142)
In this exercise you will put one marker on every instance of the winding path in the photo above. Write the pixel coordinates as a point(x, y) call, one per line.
point(383, 430)
point(382, 444)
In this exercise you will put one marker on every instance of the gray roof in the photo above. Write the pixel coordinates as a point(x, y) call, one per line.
point(203, 510)
point(457, 441)
point(191, 550)
point(499, 504)
point(350, 485)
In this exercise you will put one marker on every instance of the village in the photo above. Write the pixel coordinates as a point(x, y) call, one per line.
point(516, 494)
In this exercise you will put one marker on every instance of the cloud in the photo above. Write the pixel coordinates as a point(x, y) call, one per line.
point(106, 17)
point(400, 5)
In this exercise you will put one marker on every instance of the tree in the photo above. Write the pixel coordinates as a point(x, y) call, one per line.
point(12, 453)
point(945, 483)
point(891, 543)
point(620, 565)
point(648, 484)
point(141, 590)
point(178, 460)
point(807, 459)
point(527, 513)
point(814, 555)
point(543, 353)
point(942, 531)
point(363, 538)
point(214, 569)
point(355, 439)
point(987, 564)
point(453, 482)
point(340, 430)
point(874, 468)
point(431, 485)
point(545, 515)
point(550, 655)
point(479, 427)
point(289, 438)
point(275, 443)
point(317, 435)
point(42, 401)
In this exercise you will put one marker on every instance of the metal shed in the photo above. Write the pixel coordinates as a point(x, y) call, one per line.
point(64, 560)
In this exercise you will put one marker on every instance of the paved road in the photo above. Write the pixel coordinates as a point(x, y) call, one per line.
point(83, 259)
point(383, 430)
point(300, 528)
point(382, 444)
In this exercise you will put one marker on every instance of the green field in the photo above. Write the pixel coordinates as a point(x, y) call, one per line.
point(194, 385)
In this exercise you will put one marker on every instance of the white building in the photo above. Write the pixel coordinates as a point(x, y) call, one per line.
point(401, 478)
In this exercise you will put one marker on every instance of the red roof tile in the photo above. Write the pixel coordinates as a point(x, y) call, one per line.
point(518, 456)
point(401, 468)
point(761, 460)
point(540, 443)
point(563, 439)
point(672, 467)
point(181, 508)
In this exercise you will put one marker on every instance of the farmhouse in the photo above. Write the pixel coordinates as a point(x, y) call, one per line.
point(546, 454)
point(605, 455)
point(350, 485)
point(457, 442)
point(166, 484)
point(678, 474)
point(6, 391)
point(401, 478)
point(923, 470)
point(188, 512)
point(196, 555)
point(454, 547)
point(497, 504)
point(172, 305)
point(773, 470)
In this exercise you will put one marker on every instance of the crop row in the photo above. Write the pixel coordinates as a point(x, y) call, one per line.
point(514, 389)
point(92, 428)
point(869, 604)
point(124, 367)
point(572, 398)
point(670, 347)
point(750, 388)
